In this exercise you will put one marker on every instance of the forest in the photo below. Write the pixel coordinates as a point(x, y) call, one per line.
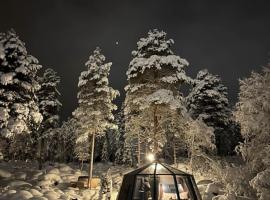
point(187, 122)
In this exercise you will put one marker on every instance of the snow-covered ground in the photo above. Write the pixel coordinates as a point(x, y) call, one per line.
point(22, 180)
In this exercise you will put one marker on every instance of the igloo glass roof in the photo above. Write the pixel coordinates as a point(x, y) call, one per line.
point(154, 174)
point(160, 169)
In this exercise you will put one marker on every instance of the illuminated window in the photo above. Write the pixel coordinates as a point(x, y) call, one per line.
point(158, 181)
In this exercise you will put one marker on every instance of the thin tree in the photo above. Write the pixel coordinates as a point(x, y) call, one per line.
point(120, 137)
point(199, 139)
point(94, 113)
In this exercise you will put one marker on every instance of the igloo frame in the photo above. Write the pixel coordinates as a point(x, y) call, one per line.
point(158, 181)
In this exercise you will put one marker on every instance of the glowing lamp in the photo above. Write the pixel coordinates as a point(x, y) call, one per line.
point(151, 157)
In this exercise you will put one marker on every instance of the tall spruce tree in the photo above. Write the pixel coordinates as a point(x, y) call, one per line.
point(49, 106)
point(94, 113)
point(19, 111)
point(120, 137)
point(208, 100)
point(49, 99)
point(154, 77)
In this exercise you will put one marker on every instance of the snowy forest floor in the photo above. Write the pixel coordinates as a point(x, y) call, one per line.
point(22, 180)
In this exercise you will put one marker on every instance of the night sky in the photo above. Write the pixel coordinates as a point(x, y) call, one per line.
point(230, 38)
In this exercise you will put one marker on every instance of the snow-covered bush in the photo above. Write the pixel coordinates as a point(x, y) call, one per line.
point(253, 114)
point(62, 147)
point(261, 183)
point(199, 139)
point(236, 180)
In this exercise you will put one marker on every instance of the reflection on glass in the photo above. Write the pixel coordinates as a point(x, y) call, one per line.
point(167, 189)
point(159, 169)
point(149, 170)
point(161, 186)
point(182, 187)
point(143, 188)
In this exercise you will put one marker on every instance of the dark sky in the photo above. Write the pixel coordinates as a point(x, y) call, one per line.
point(230, 38)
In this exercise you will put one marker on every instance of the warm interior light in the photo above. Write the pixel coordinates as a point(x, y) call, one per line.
point(151, 157)
point(159, 167)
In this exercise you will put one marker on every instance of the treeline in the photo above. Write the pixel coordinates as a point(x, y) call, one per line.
point(156, 117)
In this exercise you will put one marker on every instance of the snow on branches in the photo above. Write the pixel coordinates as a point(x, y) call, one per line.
point(208, 100)
point(154, 53)
point(162, 97)
point(19, 109)
point(253, 114)
point(208, 90)
point(48, 98)
point(154, 77)
point(95, 96)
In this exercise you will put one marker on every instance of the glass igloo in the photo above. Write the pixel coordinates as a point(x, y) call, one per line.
point(158, 181)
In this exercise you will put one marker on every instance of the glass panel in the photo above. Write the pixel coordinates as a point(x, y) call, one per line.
point(162, 170)
point(184, 187)
point(195, 188)
point(161, 188)
point(144, 187)
point(174, 170)
point(149, 170)
point(166, 187)
point(159, 169)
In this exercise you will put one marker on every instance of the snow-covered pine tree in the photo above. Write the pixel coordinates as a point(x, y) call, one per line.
point(154, 77)
point(19, 111)
point(253, 114)
point(49, 99)
point(94, 113)
point(208, 100)
point(120, 137)
point(49, 106)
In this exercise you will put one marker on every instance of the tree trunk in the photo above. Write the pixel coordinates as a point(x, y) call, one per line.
point(192, 151)
point(81, 165)
point(139, 150)
point(90, 174)
point(63, 153)
point(155, 131)
point(174, 152)
point(39, 150)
